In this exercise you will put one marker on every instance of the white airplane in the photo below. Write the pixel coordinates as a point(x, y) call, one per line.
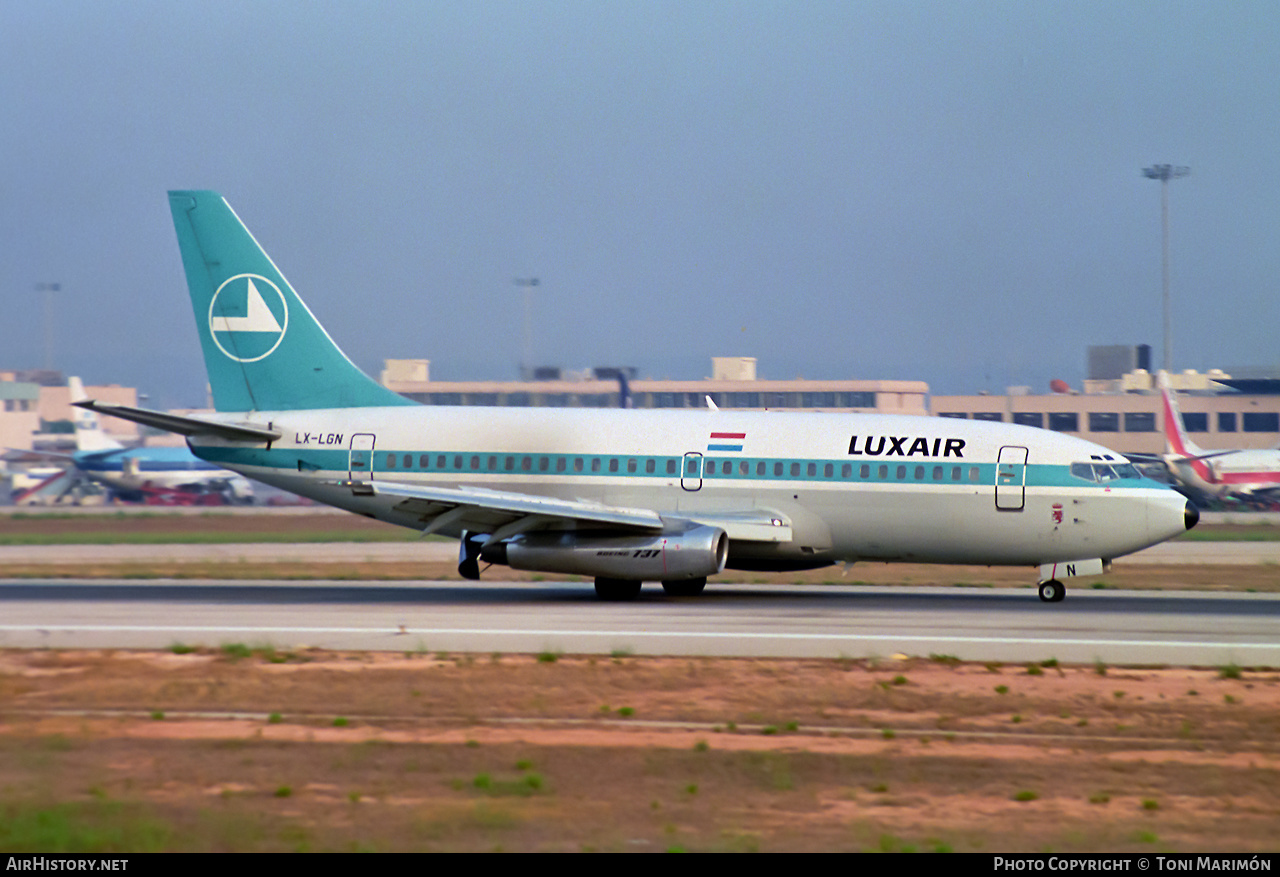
point(1243, 475)
point(627, 496)
point(130, 471)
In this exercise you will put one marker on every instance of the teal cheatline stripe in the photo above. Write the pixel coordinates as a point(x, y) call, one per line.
point(607, 466)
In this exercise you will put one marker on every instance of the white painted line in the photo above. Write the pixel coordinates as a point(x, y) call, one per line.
point(638, 634)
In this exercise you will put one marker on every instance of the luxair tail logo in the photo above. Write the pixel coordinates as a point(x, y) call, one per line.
point(248, 317)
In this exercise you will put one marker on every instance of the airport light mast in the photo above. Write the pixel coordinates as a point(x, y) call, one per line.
point(1164, 173)
point(526, 359)
point(48, 289)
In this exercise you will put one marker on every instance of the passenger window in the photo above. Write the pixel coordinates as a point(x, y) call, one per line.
point(884, 471)
point(919, 473)
point(391, 461)
point(955, 473)
point(526, 464)
point(613, 465)
point(424, 462)
point(631, 465)
point(973, 474)
point(408, 461)
point(811, 470)
point(744, 468)
point(595, 465)
point(475, 462)
point(671, 467)
point(577, 464)
point(561, 464)
point(511, 463)
point(650, 466)
point(493, 464)
point(937, 473)
point(441, 461)
point(846, 471)
point(691, 465)
point(457, 462)
point(760, 468)
point(795, 469)
point(828, 470)
point(777, 469)
point(864, 471)
point(544, 464)
point(902, 473)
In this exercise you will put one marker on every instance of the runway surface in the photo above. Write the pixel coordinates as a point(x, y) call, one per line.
point(1115, 627)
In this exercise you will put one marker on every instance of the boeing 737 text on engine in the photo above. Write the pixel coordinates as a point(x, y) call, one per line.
point(626, 495)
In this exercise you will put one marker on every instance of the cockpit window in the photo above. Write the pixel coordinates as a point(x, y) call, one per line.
point(1104, 472)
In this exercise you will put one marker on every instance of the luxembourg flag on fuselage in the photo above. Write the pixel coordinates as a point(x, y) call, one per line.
point(721, 441)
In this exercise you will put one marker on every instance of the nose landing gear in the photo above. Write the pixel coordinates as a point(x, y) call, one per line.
point(1052, 591)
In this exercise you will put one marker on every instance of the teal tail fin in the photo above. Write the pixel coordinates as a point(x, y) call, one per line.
point(263, 349)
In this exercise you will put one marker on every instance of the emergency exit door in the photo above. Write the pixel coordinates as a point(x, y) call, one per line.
point(360, 462)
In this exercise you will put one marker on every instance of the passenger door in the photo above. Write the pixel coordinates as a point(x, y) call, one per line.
point(691, 474)
point(1011, 479)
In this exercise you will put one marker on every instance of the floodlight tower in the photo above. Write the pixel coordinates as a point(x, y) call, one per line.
point(526, 360)
point(48, 289)
point(1164, 173)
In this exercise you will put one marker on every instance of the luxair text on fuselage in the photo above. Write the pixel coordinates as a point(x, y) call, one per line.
point(905, 446)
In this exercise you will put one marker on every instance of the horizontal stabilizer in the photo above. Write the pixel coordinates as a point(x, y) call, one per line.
point(189, 426)
point(1198, 457)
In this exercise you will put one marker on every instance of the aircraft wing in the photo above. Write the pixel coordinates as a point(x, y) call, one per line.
point(184, 425)
point(504, 514)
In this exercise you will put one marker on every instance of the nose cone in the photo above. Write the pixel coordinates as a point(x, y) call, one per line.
point(1191, 515)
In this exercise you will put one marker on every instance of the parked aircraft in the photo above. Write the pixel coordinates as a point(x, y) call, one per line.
point(1241, 475)
point(146, 471)
point(627, 495)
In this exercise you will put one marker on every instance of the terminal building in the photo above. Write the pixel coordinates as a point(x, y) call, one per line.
point(733, 384)
point(1132, 422)
point(36, 413)
point(1118, 406)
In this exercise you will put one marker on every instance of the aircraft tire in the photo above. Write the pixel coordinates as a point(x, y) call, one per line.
point(617, 590)
point(685, 587)
point(1052, 591)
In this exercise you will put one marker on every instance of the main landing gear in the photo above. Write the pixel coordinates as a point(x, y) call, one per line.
point(685, 587)
point(1053, 591)
point(619, 590)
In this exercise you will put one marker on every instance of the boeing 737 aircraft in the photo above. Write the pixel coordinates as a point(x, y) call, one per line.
point(627, 496)
point(1243, 475)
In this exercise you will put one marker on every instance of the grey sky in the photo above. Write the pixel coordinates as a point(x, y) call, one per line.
point(941, 191)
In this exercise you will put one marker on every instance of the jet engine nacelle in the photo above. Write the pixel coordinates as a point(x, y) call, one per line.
point(692, 554)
